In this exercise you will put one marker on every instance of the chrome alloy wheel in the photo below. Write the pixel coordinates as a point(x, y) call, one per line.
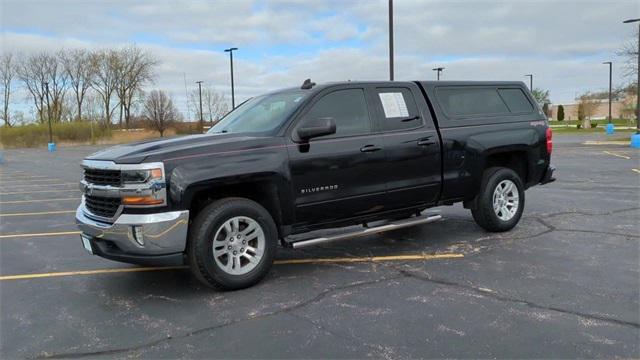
point(238, 245)
point(505, 200)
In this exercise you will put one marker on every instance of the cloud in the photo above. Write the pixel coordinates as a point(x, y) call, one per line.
point(283, 42)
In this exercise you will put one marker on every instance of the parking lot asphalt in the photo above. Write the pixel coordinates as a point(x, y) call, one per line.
point(564, 283)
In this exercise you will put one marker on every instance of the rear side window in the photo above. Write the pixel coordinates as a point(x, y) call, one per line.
point(399, 109)
point(516, 100)
point(349, 110)
point(460, 102)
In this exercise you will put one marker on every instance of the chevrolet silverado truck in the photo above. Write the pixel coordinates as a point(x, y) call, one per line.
point(339, 155)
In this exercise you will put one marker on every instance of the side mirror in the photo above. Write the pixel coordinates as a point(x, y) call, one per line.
point(316, 127)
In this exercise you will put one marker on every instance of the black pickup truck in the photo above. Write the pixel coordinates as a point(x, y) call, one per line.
point(315, 157)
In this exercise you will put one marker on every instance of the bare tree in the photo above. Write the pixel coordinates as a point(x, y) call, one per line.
point(106, 64)
point(7, 72)
point(587, 105)
point(93, 108)
point(46, 81)
point(629, 52)
point(57, 80)
point(32, 72)
point(214, 104)
point(159, 111)
point(81, 71)
point(135, 70)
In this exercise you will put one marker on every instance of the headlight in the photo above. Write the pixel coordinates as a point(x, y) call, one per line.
point(152, 192)
point(140, 176)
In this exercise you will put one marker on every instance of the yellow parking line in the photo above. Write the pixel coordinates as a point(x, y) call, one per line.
point(29, 181)
point(37, 200)
point(39, 213)
point(618, 155)
point(636, 170)
point(38, 191)
point(413, 257)
point(60, 233)
point(88, 272)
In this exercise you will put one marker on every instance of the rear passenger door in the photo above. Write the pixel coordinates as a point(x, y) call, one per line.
point(410, 143)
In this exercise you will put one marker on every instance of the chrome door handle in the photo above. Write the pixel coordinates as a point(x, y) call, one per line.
point(426, 141)
point(370, 148)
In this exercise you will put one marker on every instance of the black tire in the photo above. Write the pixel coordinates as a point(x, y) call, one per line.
point(200, 247)
point(483, 211)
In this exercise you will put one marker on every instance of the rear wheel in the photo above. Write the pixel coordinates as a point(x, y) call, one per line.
point(500, 203)
point(232, 244)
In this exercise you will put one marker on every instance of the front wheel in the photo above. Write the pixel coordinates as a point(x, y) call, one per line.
point(232, 244)
point(500, 203)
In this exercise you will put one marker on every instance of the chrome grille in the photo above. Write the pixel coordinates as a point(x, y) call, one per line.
point(102, 206)
point(102, 177)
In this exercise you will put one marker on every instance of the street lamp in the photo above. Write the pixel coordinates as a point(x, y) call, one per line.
point(391, 40)
point(610, 127)
point(635, 139)
point(439, 70)
point(530, 76)
point(51, 146)
point(200, 96)
point(233, 97)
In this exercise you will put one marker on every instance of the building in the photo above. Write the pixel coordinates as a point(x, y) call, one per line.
point(620, 109)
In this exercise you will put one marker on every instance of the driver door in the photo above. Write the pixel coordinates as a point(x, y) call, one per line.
point(338, 176)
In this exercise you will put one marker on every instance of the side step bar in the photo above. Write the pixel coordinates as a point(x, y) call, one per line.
point(368, 231)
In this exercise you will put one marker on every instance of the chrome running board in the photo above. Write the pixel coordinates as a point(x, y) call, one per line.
point(423, 219)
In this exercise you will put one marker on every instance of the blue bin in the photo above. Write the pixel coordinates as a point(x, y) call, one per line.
point(635, 141)
point(610, 129)
point(51, 147)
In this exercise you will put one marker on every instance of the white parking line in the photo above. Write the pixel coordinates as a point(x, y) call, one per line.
point(618, 155)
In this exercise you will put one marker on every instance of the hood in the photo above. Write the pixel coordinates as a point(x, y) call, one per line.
point(159, 149)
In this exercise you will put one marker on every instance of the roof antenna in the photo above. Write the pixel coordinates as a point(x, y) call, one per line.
point(307, 84)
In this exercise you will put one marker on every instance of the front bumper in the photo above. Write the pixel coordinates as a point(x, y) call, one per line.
point(158, 238)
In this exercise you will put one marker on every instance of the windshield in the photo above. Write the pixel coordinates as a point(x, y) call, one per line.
point(260, 114)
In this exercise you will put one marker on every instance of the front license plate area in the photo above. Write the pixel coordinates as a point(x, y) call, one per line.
point(86, 242)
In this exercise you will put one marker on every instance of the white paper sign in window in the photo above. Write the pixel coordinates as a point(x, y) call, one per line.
point(393, 105)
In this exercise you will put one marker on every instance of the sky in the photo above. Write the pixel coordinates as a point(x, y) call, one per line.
point(283, 42)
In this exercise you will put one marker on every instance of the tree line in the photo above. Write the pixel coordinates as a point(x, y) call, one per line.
point(106, 85)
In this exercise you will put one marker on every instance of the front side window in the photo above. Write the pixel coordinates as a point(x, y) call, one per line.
point(460, 102)
point(349, 110)
point(261, 114)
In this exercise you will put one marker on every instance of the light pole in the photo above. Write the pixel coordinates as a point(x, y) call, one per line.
point(439, 70)
point(635, 139)
point(391, 40)
point(233, 96)
point(51, 146)
point(530, 76)
point(609, 124)
point(200, 96)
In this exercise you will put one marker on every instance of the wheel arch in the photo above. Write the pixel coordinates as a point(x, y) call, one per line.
point(266, 191)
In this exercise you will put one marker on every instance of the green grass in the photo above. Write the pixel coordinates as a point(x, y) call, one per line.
point(35, 135)
point(599, 129)
point(620, 122)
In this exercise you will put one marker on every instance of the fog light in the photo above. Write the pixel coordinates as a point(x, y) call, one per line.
point(137, 235)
